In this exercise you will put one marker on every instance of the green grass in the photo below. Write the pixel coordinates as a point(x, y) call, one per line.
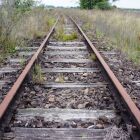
point(60, 33)
point(37, 74)
point(61, 36)
point(70, 37)
point(93, 57)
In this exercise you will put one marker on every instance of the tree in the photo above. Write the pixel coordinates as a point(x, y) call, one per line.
point(24, 5)
point(86, 4)
point(90, 4)
point(104, 5)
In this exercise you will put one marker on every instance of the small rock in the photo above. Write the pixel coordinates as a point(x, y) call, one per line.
point(34, 103)
point(57, 79)
point(85, 74)
point(99, 126)
point(27, 89)
point(86, 91)
point(84, 105)
point(32, 92)
point(26, 94)
point(92, 127)
point(134, 128)
point(51, 98)
point(18, 122)
point(39, 118)
point(66, 78)
point(37, 88)
point(66, 125)
point(103, 118)
point(117, 120)
point(39, 124)
point(73, 124)
point(80, 106)
point(72, 66)
point(106, 98)
point(45, 78)
point(87, 104)
point(47, 105)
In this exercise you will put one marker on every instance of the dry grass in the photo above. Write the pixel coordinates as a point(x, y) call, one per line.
point(122, 28)
point(34, 24)
point(17, 28)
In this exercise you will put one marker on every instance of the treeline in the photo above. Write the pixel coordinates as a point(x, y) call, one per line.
point(95, 4)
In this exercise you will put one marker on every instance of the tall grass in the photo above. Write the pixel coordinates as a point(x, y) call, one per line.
point(33, 24)
point(18, 27)
point(122, 27)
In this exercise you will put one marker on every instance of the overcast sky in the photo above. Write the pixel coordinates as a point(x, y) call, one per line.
point(69, 3)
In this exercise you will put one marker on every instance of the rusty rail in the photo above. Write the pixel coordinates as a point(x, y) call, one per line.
point(135, 112)
point(12, 92)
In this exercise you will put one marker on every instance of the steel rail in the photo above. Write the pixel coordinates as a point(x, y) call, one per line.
point(12, 92)
point(135, 112)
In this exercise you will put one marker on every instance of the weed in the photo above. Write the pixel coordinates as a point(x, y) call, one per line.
point(99, 34)
point(87, 26)
point(93, 57)
point(37, 74)
point(61, 79)
point(61, 36)
point(22, 61)
point(59, 32)
point(69, 37)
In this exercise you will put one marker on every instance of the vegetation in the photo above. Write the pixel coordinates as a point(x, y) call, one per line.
point(60, 34)
point(122, 28)
point(93, 57)
point(20, 21)
point(90, 4)
point(67, 37)
point(37, 74)
point(24, 5)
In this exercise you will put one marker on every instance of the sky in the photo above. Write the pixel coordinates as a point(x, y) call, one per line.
point(64, 3)
point(74, 3)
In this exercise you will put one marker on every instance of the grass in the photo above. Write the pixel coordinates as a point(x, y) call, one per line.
point(37, 74)
point(22, 61)
point(93, 57)
point(68, 37)
point(16, 28)
point(61, 36)
point(122, 28)
point(60, 33)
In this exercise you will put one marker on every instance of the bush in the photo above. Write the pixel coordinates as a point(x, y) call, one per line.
point(98, 4)
point(17, 27)
point(104, 5)
point(24, 5)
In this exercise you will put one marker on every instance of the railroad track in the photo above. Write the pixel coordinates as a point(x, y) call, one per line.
point(77, 98)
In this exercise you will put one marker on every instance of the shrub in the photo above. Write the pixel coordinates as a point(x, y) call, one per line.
point(16, 27)
point(104, 5)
